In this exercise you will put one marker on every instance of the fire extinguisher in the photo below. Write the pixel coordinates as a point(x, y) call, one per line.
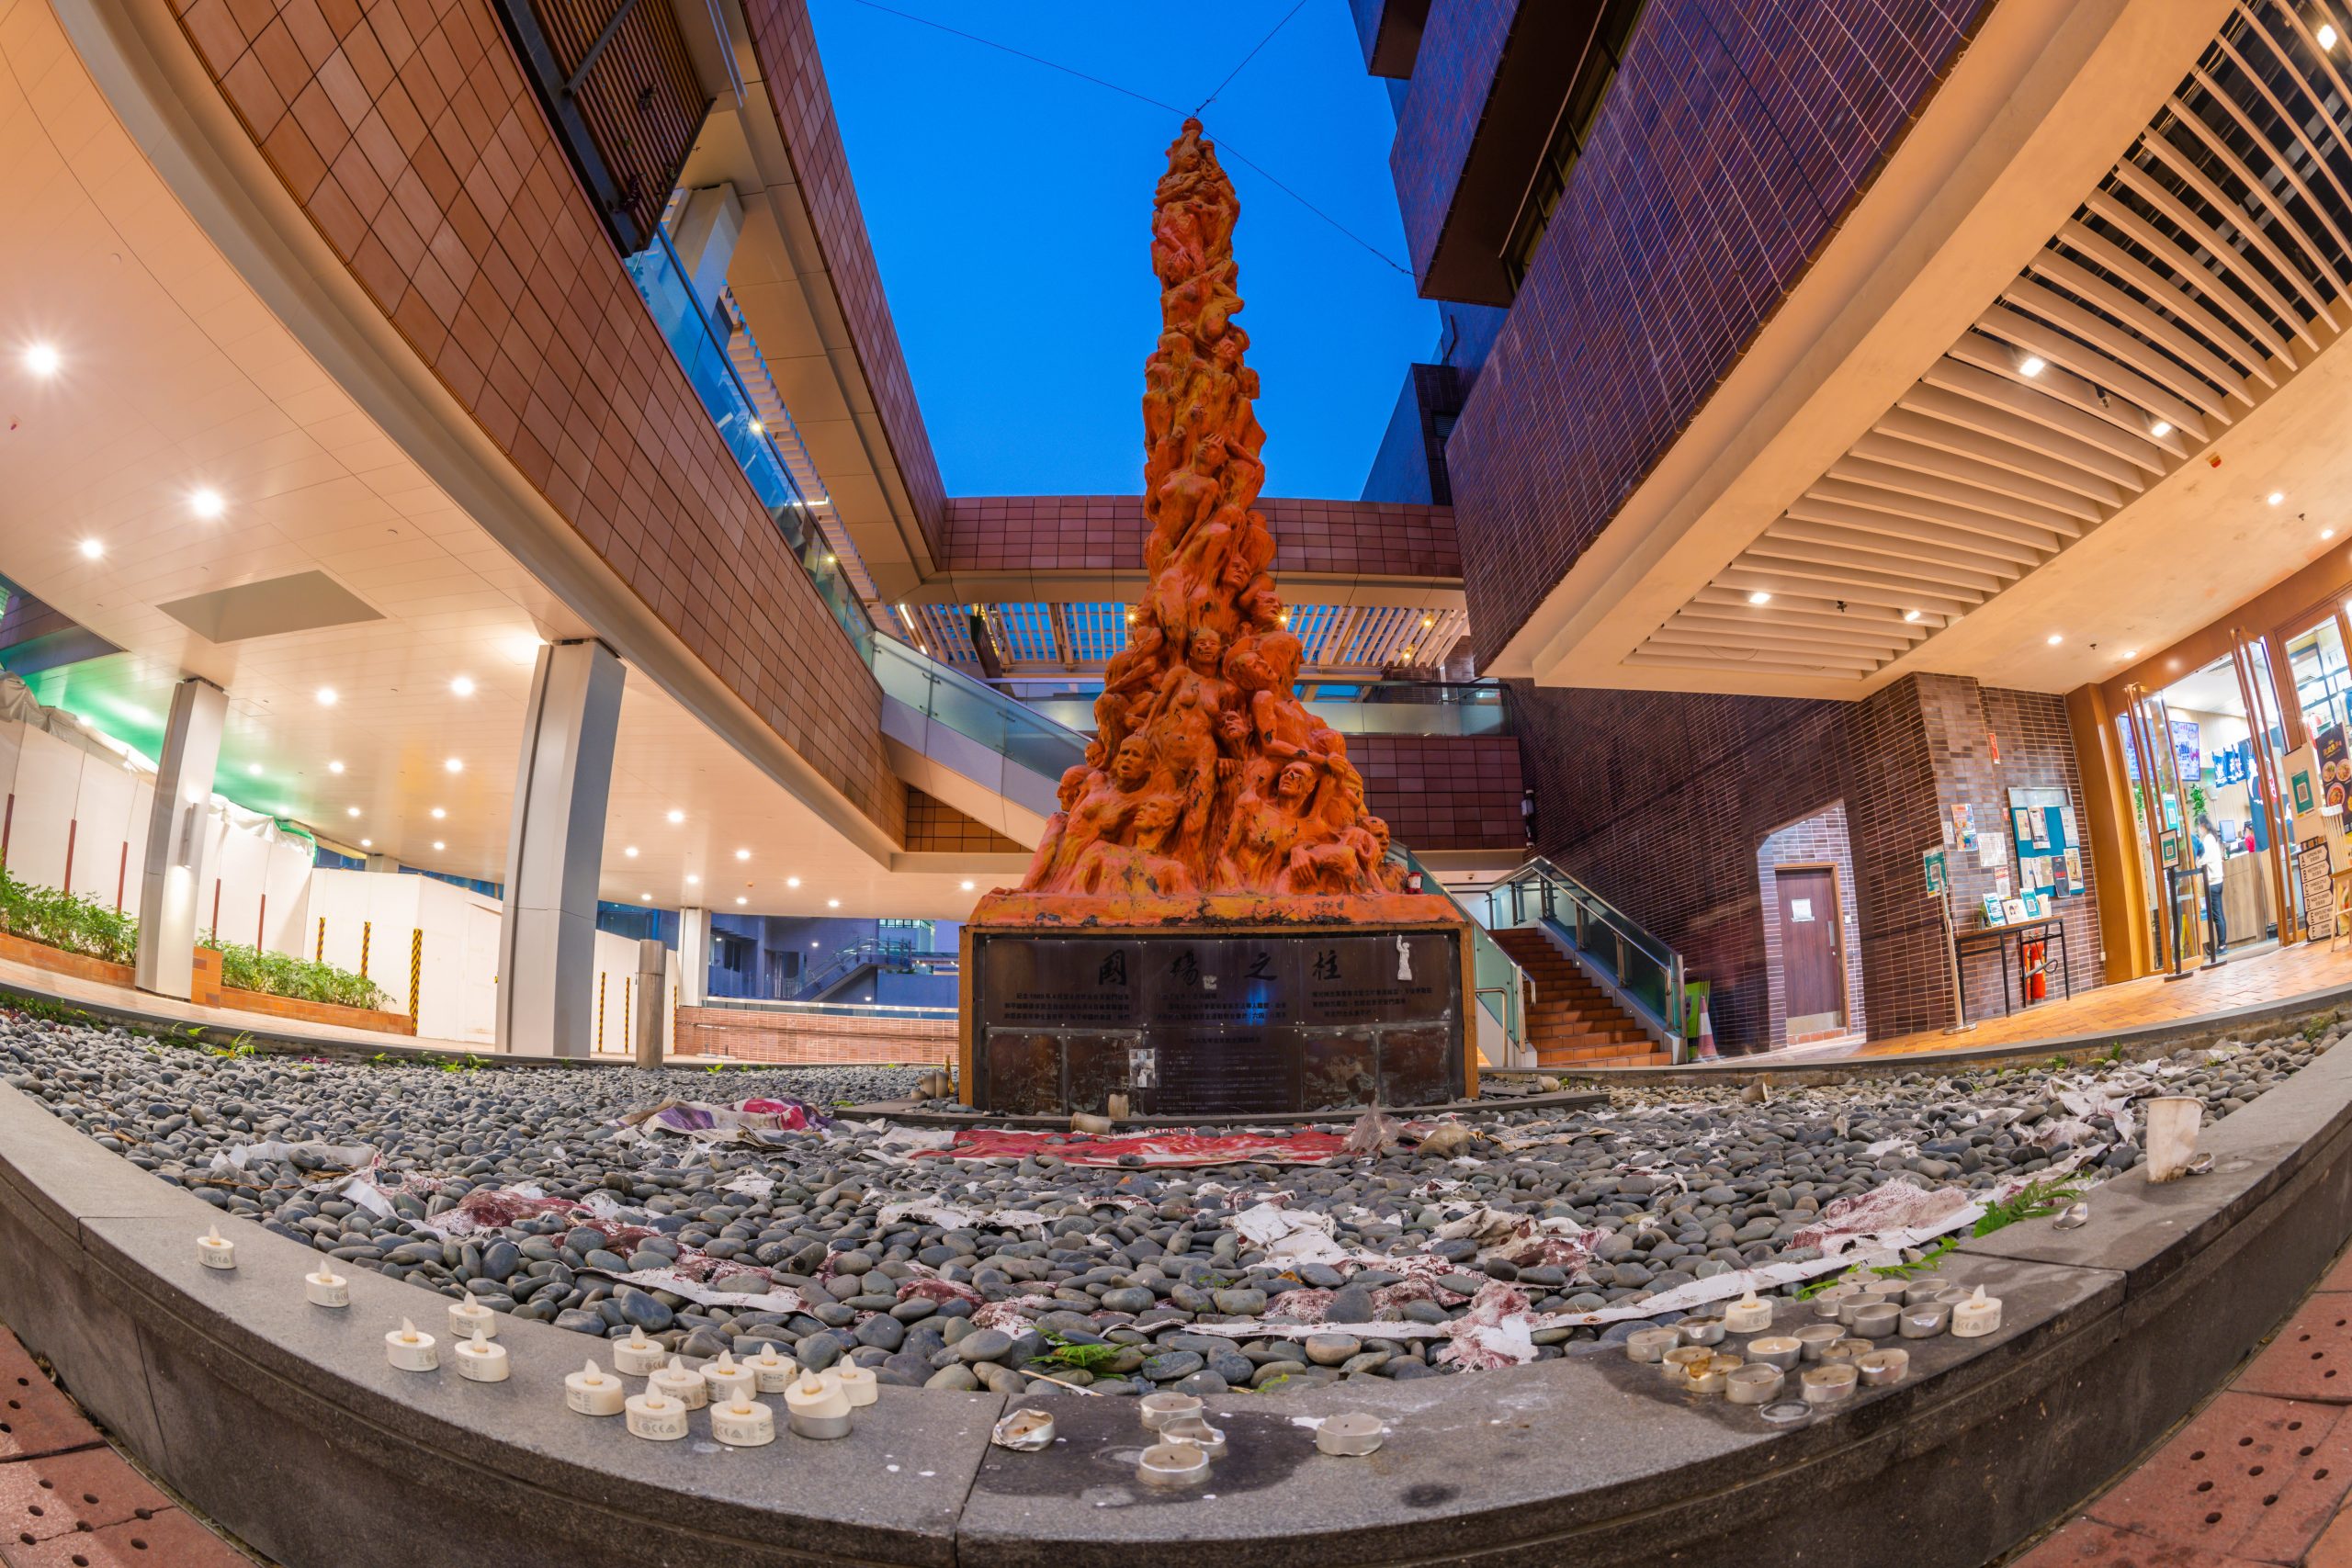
point(2035, 982)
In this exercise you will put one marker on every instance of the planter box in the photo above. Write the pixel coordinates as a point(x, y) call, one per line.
point(57, 961)
point(207, 991)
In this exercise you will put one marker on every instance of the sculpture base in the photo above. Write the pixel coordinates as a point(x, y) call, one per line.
point(1217, 1005)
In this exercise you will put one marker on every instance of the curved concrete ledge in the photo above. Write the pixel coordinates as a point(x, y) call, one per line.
point(283, 1421)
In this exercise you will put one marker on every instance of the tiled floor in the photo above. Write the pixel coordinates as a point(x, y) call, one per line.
point(2261, 1476)
point(69, 1501)
point(2270, 976)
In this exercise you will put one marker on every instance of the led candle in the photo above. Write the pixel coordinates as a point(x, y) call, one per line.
point(655, 1416)
point(326, 1288)
point(1159, 1409)
point(1701, 1330)
point(817, 1409)
point(742, 1422)
point(682, 1384)
point(638, 1357)
point(1755, 1383)
point(1781, 1350)
point(469, 1317)
point(726, 1381)
point(1978, 1315)
point(858, 1382)
point(1880, 1368)
point(1829, 1383)
point(1353, 1435)
point(589, 1392)
point(1171, 1466)
point(1816, 1337)
point(1876, 1321)
point(215, 1250)
point(1749, 1315)
point(481, 1359)
point(770, 1373)
point(1649, 1344)
point(412, 1349)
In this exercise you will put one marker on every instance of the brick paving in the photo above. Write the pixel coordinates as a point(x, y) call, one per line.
point(67, 1500)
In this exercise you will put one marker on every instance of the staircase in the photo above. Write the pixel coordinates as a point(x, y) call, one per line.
point(1574, 1023)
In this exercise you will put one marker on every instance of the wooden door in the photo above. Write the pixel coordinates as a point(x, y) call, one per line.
point(1813, 968)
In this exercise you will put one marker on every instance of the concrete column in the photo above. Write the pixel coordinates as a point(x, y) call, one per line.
point(385, 864)
point(650, 1000)
point(168, 883)
point(547, 940)
point(693, 957)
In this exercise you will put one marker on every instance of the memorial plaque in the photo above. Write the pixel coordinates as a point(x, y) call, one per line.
point(1339, 1068)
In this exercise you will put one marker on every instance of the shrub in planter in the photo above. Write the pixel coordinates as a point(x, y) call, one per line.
point(248, 968)
point(66, 920)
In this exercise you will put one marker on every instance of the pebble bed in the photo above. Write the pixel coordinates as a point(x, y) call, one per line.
point(1678, 1184)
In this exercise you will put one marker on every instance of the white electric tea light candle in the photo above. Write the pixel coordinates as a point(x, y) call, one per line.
point(1978, 1315)
point(481, 1359)
point(638, 1357)
point(681, 1382)
point(591, 1393)
point(815, 1409)
point(410, 1349)
point(742, 1423)
point(771, 1374)
point(727, 1381)
point(326, 1288)
point(469, 1317)
point(858, 1383)
point(655, 1416)
point(1749, 1315)
point(215, 1250)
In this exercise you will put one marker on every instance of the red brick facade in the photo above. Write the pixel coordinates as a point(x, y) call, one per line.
point(1106, 533)
point(765, 1036)
point(1443, 792)
point(407, 133)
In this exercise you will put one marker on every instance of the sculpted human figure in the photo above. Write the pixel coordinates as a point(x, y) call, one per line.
point(1145, 866)
point(1134, 668)
point(1264, 830)
point(1103, 811)
point(1073, 784)
point(1185, 498)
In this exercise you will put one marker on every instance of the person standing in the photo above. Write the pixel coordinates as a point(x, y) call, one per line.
point(2213, 860)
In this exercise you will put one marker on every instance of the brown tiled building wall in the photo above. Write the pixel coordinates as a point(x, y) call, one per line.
point(1815, 840)
point(1098, 533)
point(933, 824)
point(1662, 802)
point(407, 133)
point(786, 47)
point(753, 1035)
point(1443, 792)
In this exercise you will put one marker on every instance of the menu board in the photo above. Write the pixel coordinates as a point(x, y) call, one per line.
point(2319, 890)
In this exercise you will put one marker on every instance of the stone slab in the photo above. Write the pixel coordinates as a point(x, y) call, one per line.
point(63, 1493)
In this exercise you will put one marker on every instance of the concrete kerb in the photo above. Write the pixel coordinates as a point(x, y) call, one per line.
point(284, 1422)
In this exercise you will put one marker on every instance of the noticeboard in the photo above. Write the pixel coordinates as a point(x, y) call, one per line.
point(2319, 890)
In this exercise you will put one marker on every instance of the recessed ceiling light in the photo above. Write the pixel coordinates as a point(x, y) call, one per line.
point(832, 903)
point(92, 549)
point(694, 882)
point(207, 503)
point(1760, 597)
point(366, 844)
point(742, 900)
point(351, 811)
point(677, 817)
point(2056, 637)
point(2327, 533)
point(967, 887)
point(792, 882)
point(327, 697)
point(2327, 36)
point(463, 686)
point(42, 359)
point(335, 767)
point(742, 855)
point(1910, 614)
point(440, 845)
point(647, 897)
point(812, 944)
point(252, 768)
point(438, 814)
point(2032, 365)
point(630, 851)
point(2161, 429)
point(2277, 496)
point(455, 765)
point(2130, 653)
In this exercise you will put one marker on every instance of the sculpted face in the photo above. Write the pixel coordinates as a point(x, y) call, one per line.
point(1206, 650)
point(1133, 762)
point(1073, 784)
point(1262, 604)
point(1155, 815)
point(1297, 779)
point(1143, 636)
point(1379, 831)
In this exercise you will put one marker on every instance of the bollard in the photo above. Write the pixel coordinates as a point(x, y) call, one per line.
point(646, 999)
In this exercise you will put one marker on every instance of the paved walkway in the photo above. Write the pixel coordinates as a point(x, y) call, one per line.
point(69, 1501)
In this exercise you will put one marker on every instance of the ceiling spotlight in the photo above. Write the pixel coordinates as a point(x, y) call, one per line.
point(2161, 429)
point(2130, 653)
point(677, 817)
point(742, 900)
point(335, 767)
point(812, 944)
point(646, 898)
point(42, 359)
point(742, 855)
point(792, 882)
point(1760, 597)
point(454, 765)
point(968, 886)
point(2055, 638)
point(207, 503)
point(2277, 496)
point(327, 697)
point(2327, 36)
point(92, 549)
point(2032, 365)
point(694, 882)
point(254, 768)
point(754, 427)
point(2327, 533)
point(366, 844)
point(1911, 614)
point(440, 845)
point(351, 811)
point(438, 814)
point(463, 686)
point(630, 851)
point(832, 903)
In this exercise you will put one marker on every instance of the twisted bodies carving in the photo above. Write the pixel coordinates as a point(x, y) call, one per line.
point(1206, 773)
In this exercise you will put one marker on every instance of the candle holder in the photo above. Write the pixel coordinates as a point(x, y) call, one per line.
point(726, 1381)
point(1827, 1305)
point(1846, 1349)
point(1676, 1364)
point(1755, 1383)
point(638, 1357)
point(858, 1382)
point(326, 1288)
point(1159, 1409)
point(1832, 1383)
point(410, 1349)
point(469, 1317)
point(1701, 1330)
point(770, 1371)
point(481, 1359)
point(1816, 1337)
point(1786, 1413)
point(1781, 1350)
point(1350, 1435)
point(1749, 1315)
point(1881, 1369)
point(1171, 1467)
point(1708, 1376)
point(215, 1250)
point(742, 1423)
point(589, 1392)
point(1027, 1431)
point(1650, 1343)
point(1923, 1321)
point(655, 1416)
point(1877, 1320)
point(1916, 1293)
point(1978, 1315)
point(1209, 1439)
point(681, 1382)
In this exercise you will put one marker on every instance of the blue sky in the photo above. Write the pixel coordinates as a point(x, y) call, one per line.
point(1010, 208)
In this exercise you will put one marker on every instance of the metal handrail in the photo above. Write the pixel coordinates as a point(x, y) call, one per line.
point(1495, 973)
point(1540, 893)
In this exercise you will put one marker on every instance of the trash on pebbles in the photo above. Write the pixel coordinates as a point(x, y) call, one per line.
point(618, 1204)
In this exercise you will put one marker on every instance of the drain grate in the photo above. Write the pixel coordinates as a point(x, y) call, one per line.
point(2308, 1358)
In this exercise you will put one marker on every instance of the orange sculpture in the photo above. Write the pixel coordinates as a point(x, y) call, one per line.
point(1206, 773)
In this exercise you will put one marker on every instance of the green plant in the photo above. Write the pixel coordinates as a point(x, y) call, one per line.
point(2037, 1199)
point(1085, 1357)
point(66, 920)
point(282, 974)
point(2317, 1027)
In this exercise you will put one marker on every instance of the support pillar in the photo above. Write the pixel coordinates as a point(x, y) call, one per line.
point(168, 882)
point(547, 939)
point(650, 999)
point(388, 864)
point(693, 957)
